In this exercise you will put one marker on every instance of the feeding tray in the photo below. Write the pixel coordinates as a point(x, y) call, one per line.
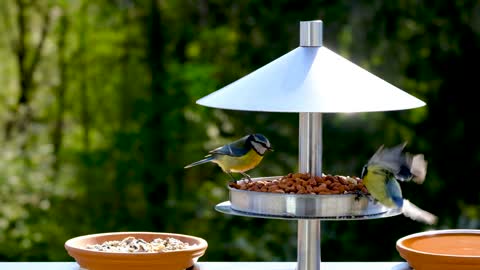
point(303, 206)
point(103, 260)
point(442, 250)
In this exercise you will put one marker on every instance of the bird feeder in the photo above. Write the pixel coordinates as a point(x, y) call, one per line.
point(309, 80)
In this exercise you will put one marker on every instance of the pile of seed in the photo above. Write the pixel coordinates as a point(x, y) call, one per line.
point(132, 245)
point(304, 183)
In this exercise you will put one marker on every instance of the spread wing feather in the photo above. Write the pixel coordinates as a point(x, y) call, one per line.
point(391, 159)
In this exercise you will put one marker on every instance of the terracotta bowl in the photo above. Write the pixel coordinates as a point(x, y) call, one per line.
point(101, 260)
point(441, 250)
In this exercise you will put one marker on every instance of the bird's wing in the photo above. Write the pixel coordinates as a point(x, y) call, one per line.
point(412, 167)
point(391, 159)
point(418, 168)
point(234, 149)
point(394, 191)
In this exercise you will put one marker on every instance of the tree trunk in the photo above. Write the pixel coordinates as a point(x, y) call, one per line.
point(26, 70)
point(85, 112)
point(22, 114)
point(157, 189)
point(61, 89)
point(125, 81)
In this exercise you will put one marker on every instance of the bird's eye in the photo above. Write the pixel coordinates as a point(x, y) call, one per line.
point(261, 140)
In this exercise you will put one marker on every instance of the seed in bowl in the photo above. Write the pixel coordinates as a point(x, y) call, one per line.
point(304, 183)
point(134, 245)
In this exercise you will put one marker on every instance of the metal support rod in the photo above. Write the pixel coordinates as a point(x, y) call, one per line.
point(308, 249)
point(310, 143)
point(310, 160)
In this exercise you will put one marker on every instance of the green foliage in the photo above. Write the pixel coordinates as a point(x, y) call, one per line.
point(109, 119)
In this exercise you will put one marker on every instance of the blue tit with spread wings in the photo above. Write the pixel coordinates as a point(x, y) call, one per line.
point(382, 173)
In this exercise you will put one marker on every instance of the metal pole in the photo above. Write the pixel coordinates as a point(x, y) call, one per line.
point(310, 160)
point(310, 152)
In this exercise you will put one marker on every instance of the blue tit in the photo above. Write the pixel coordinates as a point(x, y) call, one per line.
point(382, 173)
point(239, 156)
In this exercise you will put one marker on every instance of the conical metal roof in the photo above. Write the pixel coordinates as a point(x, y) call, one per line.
point(311, 79)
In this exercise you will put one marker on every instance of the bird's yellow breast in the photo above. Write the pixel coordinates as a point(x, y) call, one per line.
point(239, 164)
point(375, 181)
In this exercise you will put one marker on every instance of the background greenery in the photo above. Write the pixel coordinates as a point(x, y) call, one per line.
point(98, 118)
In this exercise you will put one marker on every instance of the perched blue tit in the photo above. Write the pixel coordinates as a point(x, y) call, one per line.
point(239, 156)
point(380, 177)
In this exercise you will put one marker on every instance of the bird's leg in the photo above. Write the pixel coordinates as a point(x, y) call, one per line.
point(359, 194)
point(233, 178)
point(246, 176)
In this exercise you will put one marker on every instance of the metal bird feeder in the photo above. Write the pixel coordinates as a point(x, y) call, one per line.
point(309, 80)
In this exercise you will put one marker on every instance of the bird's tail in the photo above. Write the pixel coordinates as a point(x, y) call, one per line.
point(414, 212)
point(205, 160)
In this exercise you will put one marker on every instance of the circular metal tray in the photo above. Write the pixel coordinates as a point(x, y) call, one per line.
point(226, 208)
point(303, 206)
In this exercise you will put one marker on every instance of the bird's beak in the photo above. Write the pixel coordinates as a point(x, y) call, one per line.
point(270, 149)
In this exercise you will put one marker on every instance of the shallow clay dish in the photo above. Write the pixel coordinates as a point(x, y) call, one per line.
point(442, 250)
point(101, 260)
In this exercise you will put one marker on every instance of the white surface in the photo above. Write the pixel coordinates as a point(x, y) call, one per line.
point(311, 79)
point(223, 266)
point(292, 266)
